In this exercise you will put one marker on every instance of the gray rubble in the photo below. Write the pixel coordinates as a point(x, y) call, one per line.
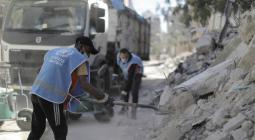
point(210, 96)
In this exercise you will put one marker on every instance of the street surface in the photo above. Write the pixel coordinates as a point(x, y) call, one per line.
point(121, 127)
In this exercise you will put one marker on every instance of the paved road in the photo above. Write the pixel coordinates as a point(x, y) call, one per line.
point(120, 128)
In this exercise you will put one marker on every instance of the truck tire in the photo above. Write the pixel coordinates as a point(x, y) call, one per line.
point(24, 125)
point(73, 116)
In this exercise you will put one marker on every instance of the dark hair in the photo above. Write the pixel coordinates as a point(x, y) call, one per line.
point(83, 40)
point(124, 50)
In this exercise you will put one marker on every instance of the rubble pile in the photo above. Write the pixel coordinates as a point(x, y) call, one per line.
point(211, 96)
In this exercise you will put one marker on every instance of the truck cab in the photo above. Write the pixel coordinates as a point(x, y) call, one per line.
point(32, 27)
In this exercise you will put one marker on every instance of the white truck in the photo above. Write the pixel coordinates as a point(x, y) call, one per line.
point(32, 27)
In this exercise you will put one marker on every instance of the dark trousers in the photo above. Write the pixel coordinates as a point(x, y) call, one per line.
point(54, 113)
point(136, 82)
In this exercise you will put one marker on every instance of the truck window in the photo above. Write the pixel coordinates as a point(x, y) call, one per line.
point(56, 18)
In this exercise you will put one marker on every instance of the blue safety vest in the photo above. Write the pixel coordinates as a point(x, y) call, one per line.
point(74, 104)
point(54, 79)
point(125, 66)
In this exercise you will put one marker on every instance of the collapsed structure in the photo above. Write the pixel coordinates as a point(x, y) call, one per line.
point(212, 98)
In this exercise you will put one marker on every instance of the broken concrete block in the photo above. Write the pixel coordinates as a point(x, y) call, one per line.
point(228, 50)
point(247, 126)
point(247, 26)
point(164, 98)
point(190, 111)
point(210, 126)
point(219, 117)
point(251, 75)
point(235, 111)
point(234, 123)
point(203, 45)
point(239, 52)
point(236, 74)
point(185, 125)
point(247, 62)
point(180, 102)
point(205, 105)
point(201, 57)
point(178, 78)
point(209, 80)
point(250, 114)
point(218, 136)
point(171, 132)
point(239, 134)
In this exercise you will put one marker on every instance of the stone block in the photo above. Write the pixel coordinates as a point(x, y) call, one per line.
point(234, 123)
point(239, 134)
point(218, 136)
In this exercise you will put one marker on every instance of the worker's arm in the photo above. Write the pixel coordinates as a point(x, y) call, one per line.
point(91, 89)
point(82, 73)
point(131, 73)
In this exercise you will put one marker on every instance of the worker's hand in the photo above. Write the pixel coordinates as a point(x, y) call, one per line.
point(108, 101)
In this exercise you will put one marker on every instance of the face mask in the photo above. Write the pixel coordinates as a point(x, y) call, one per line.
point(123, 60)
point(85, 54)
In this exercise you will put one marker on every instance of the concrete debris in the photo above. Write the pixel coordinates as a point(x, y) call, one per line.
point(247, 26)
point(239, 134)
point(211, 93)
point(220, 117)
point(218, 136)
point(251, 75)
point(234, 123)
point(171, 132)
point(248, 60)
point(204, 44)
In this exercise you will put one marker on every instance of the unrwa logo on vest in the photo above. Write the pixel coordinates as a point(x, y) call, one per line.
point(60, 56)
point(64, 52)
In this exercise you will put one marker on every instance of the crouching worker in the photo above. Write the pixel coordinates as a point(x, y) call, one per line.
point(54, 83)
point(132, 69)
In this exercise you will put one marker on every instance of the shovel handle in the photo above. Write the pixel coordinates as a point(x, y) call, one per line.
point(135, 105)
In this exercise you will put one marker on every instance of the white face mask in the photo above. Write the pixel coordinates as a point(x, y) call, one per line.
point(86, 55)
point(123, 60)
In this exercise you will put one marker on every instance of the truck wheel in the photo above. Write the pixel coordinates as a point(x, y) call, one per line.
point(74, 116)
point(26, 114)
point(1, 123)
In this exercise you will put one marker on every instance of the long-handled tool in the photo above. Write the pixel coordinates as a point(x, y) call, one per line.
point(101, 112)
point(120, 103)
point(135, 105)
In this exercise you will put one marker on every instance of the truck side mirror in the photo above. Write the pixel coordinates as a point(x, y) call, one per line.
point(97, 19)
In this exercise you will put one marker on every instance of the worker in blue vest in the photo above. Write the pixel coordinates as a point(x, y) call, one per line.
point(132, 69)
point(64, 70)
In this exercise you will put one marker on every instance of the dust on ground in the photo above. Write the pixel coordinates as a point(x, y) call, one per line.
point(121, 126)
